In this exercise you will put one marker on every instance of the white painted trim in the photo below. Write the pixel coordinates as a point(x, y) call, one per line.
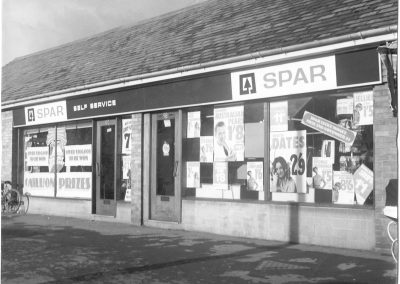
point(228, 66)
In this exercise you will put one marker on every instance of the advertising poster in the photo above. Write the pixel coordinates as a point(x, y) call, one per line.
point(322, 173)
point(126, 167)
point(126, 136)
point(37, 156)
point(78, 155)
point(220, 175)
point(363, 108)
point(194, 124)
point(343, 188)
point(228, 134)
point(363, 183)
point(279, 116)
point(328, 150)
point(74, 184)
point(193, 174)
point(328, 127)
point(288, 161)
point(39, 184)
point(206, 149)
point(255, 180)
point(344, 106)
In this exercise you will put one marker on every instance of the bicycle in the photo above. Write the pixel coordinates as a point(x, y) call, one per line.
point(12, 201)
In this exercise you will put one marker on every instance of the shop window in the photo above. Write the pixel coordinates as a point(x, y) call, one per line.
point(223, 151)
point(58, 161)
point(321, 149)
point(38, 158)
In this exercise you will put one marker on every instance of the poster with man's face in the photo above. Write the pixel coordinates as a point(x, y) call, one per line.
point(228, 134)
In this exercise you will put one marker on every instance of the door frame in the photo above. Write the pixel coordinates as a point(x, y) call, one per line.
point(110, 203)
point(153, 117)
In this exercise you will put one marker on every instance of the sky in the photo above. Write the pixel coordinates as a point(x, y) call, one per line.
point(29, 26)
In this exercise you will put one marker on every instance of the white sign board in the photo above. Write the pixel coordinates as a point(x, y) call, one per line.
point(37, 156)
point(78, 155)
point(39, 184)
point(74, 184)
point(46, 113)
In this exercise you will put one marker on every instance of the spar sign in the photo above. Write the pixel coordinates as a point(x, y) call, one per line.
point(46, 113)
point(329, 128)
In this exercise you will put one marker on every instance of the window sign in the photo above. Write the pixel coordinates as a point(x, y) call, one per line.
point(343, 188)
point(255, 180)
point(288, 160)
point(78, 155)
point(220, 175)
point(39, 184)
point(126, 136)
point(363, 183)
point(323, 174)
point(193, 174)
point(329, 128)
point(279, 117)
point(363, 108)
point(194, 124)
point(74, 184)
point(206, 149)
point(37, 156)
point(228, 134)
point(344, 106)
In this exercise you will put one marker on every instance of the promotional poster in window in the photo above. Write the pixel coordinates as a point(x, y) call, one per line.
point(288, 161)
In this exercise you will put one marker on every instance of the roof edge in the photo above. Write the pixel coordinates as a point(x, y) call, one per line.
point(255, 55)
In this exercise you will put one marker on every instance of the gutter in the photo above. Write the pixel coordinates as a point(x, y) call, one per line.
point(314, 47)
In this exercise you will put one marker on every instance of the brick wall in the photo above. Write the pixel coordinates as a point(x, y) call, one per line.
point(136, 169)
point(385, 157)
point(6, 140)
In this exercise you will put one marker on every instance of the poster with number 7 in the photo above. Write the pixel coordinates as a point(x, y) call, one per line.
point(126, 136)
point(288, 161)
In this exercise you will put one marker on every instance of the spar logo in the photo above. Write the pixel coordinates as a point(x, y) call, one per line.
point(31, 114)
point(247, 84)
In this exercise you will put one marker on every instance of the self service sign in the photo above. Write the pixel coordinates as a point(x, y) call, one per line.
point(312, 75)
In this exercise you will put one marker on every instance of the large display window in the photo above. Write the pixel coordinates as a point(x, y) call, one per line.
point(58, 161)
point(320, 150)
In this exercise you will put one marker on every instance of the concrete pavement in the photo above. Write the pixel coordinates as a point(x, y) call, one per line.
point(49, 249)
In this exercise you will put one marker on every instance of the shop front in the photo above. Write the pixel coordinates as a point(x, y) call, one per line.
point(281, 151)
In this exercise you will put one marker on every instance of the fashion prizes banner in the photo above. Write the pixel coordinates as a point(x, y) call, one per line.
point(229, 134)
point(288, 164)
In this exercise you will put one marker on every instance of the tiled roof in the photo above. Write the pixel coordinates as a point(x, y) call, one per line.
point(205, 32)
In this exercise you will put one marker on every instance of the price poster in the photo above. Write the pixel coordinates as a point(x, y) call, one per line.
point(255, 180)
point(343, 187)
point(220, 175)
point(193, 174)
point(344, 106)
point(126, 167)
point(363, 183)
point(288, 165)
point(324, 169)
point(206, 149)
point(194, 124)
point(363, 108)
point(229, 134)
point(279, 116)
point(126, 136)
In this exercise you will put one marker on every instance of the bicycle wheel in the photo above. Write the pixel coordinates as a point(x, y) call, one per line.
point(24, 203)
point(12, 201)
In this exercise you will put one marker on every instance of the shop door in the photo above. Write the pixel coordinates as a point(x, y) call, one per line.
point(165, 167)
point(106, 167)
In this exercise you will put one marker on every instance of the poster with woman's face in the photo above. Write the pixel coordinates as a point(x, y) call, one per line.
point(288, 161)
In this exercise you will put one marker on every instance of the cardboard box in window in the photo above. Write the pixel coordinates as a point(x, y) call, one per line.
point(323, 196)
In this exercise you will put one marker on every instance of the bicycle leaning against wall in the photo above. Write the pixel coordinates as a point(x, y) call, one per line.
point(12, 202)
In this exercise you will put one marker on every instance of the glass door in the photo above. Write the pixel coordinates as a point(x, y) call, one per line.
point(165, 167)
point(106, 167)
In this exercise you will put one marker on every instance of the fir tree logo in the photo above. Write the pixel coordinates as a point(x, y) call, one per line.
point(247, 84)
